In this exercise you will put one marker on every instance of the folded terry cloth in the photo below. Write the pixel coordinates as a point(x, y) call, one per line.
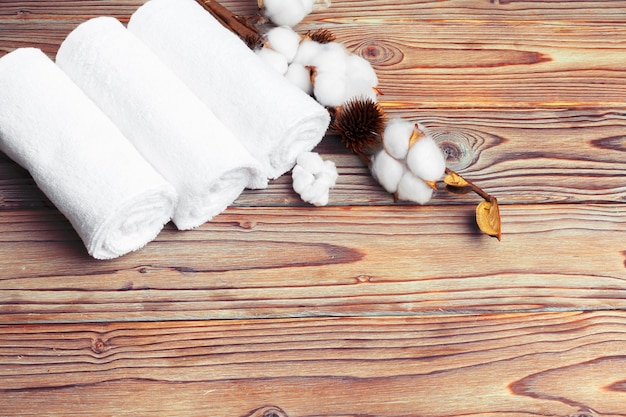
point(274, 119)
point(182, 139)
point(112, 196)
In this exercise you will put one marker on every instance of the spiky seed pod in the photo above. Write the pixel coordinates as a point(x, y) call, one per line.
point(321, 36)
point(360, 123)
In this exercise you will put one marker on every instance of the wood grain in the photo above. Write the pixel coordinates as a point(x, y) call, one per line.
point(308, 262)
point(551, 364)
point(366, 307)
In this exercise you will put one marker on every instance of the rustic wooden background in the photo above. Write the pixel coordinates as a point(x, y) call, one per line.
point(365, 307)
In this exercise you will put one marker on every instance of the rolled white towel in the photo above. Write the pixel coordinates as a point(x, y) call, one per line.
point(274, 119)
point(111, 195)
point(167, 123)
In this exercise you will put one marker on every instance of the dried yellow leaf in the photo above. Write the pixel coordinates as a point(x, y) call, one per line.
point(260, 4)
point(455, 180)
point(488, 218)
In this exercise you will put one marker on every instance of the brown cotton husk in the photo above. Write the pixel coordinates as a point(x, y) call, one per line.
point(321, 36)
point(360, 123)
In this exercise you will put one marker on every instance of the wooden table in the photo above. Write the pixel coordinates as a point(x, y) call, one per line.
point(365, 307)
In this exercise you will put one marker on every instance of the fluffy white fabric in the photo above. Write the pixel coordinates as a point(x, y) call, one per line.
point(167, 123)
point(112, 196)
point(274, 119)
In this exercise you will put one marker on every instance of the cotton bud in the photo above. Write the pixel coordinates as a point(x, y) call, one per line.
point(425, 159)
point(412, 188)
point(387, 171)
point(273, 59)
point(300, 76)
point(396, 137)
point(313, 178)
point(287, 12)
point(285, 41)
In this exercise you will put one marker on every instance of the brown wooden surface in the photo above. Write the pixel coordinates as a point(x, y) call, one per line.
point(365, 307)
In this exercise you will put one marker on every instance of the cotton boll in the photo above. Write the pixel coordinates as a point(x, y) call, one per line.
point(329, 89)
point(361, 78)
point(308, 5)
point(412, 188)
point(311, 162)
point(330, 174)
point(307, 51)
point(426, 160)
point(285, 41)
point(396, 137)
point(316, 194)
point(387, 171)
point(273, 59)
point(285, 12)
point(331, 58)
point(300, 76)
point(313, 178)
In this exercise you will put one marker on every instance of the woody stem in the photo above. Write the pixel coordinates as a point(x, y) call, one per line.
point(486, 196)
point(235, 23)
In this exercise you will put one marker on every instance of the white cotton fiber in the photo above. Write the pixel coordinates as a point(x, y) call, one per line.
point(396, 137)
point(331, 58)
point(426, 160)
point(286, 12)
point(273, 59)
point(307, 51)
point(412, 188)
point(300, 76)
point(329, 88)
point(311, 162)
point(361, 78)
point(313, 178)
point(285, 41)
point(387, 171)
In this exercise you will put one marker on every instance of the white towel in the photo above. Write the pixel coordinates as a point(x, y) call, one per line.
point(114, 199)
point(274, 119)
point(157, 112)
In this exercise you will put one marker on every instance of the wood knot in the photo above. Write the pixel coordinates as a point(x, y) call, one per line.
point(98, 346)
point(268, 411)
point(456, 148)
point(379, 53)
point(247, 225)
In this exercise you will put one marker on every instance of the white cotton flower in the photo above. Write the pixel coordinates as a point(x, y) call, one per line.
point(313, 178)
point(396, 137)
point(332, 57)
point(300, 76)
point(426, 160)
point(361, 78)
point(387, 171)
point(287, 12)
point(412, 188)
point(273, 59)
point(307, 51)
point(285, 41)
point(329, 88)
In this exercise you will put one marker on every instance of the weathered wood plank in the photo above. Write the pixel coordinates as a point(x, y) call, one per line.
point(441, 63)
point(361, 11)
point(521, 365)
point(308, 262)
